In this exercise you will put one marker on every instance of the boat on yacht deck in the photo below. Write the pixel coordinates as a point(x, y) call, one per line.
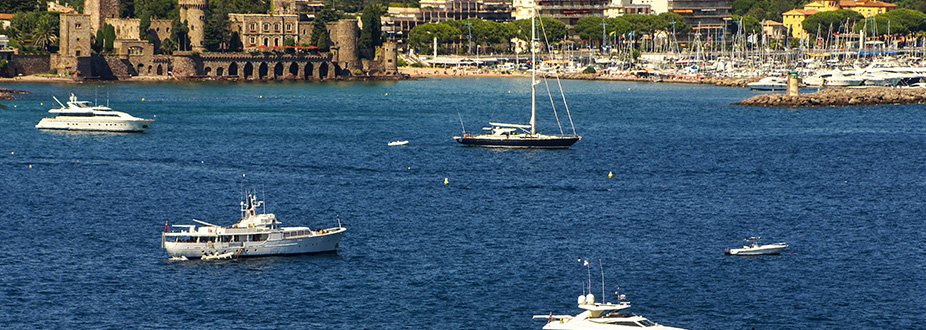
point(81, 116)
point(255, 234)
point(754, 249)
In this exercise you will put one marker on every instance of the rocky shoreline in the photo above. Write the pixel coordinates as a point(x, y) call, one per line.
point(840, 97)
point(5, 93)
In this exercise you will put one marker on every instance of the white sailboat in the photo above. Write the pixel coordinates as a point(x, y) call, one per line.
point(504, 135)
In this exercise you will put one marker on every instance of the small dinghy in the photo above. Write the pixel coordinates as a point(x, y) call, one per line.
point(398, 143)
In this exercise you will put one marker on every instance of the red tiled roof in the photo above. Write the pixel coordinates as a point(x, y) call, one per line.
point(6, 16)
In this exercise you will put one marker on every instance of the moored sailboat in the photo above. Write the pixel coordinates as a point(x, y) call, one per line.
point(519, 135)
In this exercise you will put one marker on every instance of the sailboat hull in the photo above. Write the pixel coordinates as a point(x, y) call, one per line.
point(517, 141)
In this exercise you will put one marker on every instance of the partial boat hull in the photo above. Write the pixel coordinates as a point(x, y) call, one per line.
point(519, 141)
point(244, 246)
point(72, 123)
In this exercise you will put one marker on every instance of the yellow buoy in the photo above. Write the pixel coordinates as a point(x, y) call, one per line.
point(261, 96)
point(628, 88)
point(30, 165)
point(610, 174)
point(446, 181)
point(143, 99)
point(14, 105)
point(41, 103)
point(387, 94)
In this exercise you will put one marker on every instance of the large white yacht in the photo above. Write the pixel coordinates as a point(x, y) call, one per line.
point(81, 116)
point(603, 316)
point(255, 234)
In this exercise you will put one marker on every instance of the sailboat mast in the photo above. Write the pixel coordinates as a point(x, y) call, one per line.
point(533, 65)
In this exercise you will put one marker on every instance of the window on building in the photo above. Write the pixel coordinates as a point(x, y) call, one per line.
point(253, 27)
point(289, 27)
point(77, 25)
point(266, 27)
point(276, 27)
point(77, 52)
point(252, 41)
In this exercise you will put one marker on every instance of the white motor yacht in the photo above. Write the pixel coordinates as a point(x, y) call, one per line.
point(255, 234)
point(769, 84)
point(81, 116)
point(754, 249)
point(603, 316)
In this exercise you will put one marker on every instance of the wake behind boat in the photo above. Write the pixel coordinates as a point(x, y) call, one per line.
point(754, 249)
point(519, 135)
point(81, 116)
point(255, 234)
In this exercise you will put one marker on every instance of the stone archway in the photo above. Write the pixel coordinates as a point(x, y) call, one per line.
point(139, 69)
point(233, 69)
point(323, 71)
point(219, 71)
point(207, 70)
point(160, 70)
point(149, 69)
point(248, 70)
point(294, 70)
point(262, 70)
point(278, 70)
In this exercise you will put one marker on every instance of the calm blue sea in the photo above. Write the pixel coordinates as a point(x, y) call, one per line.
point(692, 175)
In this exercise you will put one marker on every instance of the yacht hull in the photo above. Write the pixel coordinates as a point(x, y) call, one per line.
point(274, 245)
point(493, 141)
point(94, 124)
point(770, 249)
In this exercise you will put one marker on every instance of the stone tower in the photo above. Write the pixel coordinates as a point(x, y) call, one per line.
point(390, 56)
point(344, 34)
point(100, 10)
point(194, 13)
point(73, 43)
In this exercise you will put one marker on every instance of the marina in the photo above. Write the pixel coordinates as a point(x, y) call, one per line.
point(691, 175)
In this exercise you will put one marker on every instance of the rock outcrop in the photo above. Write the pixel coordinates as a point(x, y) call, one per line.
point(840, 97)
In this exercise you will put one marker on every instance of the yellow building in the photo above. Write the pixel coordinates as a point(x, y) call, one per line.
point(867, 8)
point(792, 19)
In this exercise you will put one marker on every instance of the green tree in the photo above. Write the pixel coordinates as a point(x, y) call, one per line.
point(901, 21)
point(289, 41)
point(45, 32)
point(109, 33)
point(15, 6)
point(548, 29)
point(319, 36)
point(179, 34)
point(835, 18)
point(592, 29)
point(144, 23)
point(215, 31)
point(371, 33)
point(422, 35)
point(168, 46)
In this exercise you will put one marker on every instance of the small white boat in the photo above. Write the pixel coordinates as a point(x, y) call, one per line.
point(754, 249)
point(398, 143)
point(769, 84)
point(81, 116)
point(180, 258)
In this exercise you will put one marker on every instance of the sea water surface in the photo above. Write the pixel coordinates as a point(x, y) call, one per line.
point(82, 213)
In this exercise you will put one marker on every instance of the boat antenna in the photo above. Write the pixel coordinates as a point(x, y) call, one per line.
point(263, 192)
point(338, 215)
point(461, 122)
point(601, 268)
point(56, 100)
point(589, 269)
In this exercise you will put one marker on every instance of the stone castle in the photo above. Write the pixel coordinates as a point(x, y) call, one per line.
point(261, 37)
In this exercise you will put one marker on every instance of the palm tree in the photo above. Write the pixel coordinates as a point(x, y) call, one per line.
point(43, 34)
